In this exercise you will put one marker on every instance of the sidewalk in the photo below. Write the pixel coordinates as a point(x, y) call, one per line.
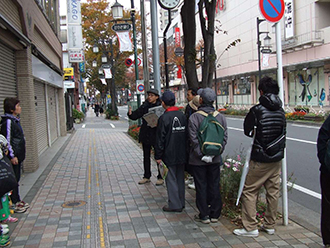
point(95, 174)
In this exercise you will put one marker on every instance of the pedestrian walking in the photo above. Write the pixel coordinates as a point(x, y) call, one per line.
point(267, 119)
point(147, 135)
point(97, 109)
point(323, 153)
point(206, 169)
point(170, 149)
point(12, 130)
point(101, 110)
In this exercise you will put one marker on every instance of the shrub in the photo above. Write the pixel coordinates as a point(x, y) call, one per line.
point(297, 115)
point(111, 114)
point(76, 114)
point(134, 131)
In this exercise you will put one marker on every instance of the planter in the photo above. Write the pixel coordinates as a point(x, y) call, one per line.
point(313, 118)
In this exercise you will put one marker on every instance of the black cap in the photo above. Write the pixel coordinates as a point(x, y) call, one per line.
point(168, 98)
point(153, 91)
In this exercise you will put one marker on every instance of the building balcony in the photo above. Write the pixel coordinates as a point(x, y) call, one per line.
point(303, 41)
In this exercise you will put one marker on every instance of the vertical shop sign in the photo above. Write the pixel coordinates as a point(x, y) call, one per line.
point(289, 19)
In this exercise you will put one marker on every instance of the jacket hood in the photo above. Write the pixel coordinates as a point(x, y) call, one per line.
point(270, 101)
point(9, 116)
point(206, 108)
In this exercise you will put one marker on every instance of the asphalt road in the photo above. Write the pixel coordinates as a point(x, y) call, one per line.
point(302, 162)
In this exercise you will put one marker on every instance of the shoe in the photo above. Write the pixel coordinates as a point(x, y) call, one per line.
point(19, 208)
point(159, 182)
point(191, 186)
point(243, 232)
point(4, 226)
point(144, 181)
point(24, 204)
point(270, 231)
point(4, 240)
point(204, 220)
point(4, 231)
point(214, 220)
point(10, 220)
point(167, 209)
point(189, 180)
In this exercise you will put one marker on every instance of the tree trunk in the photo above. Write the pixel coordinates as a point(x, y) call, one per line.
point(189, 35)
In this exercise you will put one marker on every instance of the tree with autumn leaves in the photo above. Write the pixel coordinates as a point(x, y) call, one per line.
point(97, 21)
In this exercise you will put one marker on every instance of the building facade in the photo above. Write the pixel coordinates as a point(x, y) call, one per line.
point(31, 69)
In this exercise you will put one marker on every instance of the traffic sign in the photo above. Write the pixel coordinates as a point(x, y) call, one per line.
point(139, 86)
point(139, 61)
point(128, 62)
point(178, 51)
point(272, 10)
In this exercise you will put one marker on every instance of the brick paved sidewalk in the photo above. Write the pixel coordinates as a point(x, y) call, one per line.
point(102, 168)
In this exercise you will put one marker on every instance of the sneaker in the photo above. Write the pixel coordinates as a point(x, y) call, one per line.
point(24, 204)
point(4, 226)
point(204, 220)
point(144, 181)
point(189, 180)
point(19, 208)
point(245, 233)
point(214, 220)
point(4, 231)
point(159, 182)
point(191, 186)
point(4, 240)
point(270, 231)
point(10, 220)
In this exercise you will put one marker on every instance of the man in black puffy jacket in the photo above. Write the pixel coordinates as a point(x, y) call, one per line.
point(171, 149)
point(267, 119)
point(147, 135)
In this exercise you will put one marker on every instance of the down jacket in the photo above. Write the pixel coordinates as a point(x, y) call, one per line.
point(269, 119)
point(147, 134)
point(11, 128)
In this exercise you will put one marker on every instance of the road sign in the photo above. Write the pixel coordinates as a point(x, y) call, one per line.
point(272, 10)
point(178, 51)
point(121, 27)
point(139, 61)
point(266, 50)
point(139, 86)
point(128, 62)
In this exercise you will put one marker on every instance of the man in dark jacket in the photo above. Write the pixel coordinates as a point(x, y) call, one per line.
point(147, 134)
point(206, 171)
point(11, 128)
point(171, 149)
point(267, 119)
point(322, 140)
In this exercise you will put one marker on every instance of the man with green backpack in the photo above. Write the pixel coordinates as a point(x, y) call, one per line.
point(207, 130)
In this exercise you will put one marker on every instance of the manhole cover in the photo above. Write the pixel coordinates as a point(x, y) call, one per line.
point(73, 204)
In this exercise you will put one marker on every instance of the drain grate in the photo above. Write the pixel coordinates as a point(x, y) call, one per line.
point(73, 204)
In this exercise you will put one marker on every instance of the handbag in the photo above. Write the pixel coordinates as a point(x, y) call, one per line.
point(7, 177)
point(163, 170)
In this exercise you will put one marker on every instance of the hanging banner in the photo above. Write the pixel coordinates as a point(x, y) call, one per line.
point(265, 60)
point(107, 73)
point(125, 43)
point(289, 19)
point(177, 37)
point(75, 40)
point(103, 81)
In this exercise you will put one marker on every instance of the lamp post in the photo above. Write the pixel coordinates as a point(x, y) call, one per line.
point(117, 13)
point(266, 43)
point(107, 63)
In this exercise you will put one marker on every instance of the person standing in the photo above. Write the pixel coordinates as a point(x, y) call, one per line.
point(97, 109)
point(147, 135)
point(267, 119)
point(322, 140)
point(171, 149)
point(12, 130)
point(191, 93)
point(206, 172)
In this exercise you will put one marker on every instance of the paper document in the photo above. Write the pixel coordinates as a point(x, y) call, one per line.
point(153, 115)
point(163, 169)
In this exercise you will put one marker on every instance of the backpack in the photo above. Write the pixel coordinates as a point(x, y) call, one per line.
point(210, 134)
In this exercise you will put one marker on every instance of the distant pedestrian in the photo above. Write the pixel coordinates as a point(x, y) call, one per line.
point(101, 110)
point(147, 134)
point(322, 152)
point(11, 128)
point(267, 119)
point(189, 110)
point(97, 109)
point(206, 169)
point(171, 149)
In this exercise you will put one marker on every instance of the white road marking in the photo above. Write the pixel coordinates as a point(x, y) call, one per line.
point(83, 126)
point(288, 138)
point(113, 126)
point(126, 118)
point(313, 127)
point(304, 190)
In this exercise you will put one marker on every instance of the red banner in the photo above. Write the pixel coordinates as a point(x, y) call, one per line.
point(177, 37)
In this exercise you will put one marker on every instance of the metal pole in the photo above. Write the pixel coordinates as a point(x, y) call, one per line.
point(155, 44)
point(215, 86)
point(258, 36)
point(135, 50)
point(280, 82)
point(146, 74)
point(165, 47)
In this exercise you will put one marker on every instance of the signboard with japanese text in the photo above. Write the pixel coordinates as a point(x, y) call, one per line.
point(177, 37)
point(68, 71)
point(75, 39)
point(74, 11)
point(76, 56)
point(289, 19)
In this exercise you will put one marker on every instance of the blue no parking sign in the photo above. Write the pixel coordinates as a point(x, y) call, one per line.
point(140, 86)
point(272, 10)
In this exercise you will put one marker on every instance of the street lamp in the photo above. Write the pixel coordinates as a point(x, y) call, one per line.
point(267, 40)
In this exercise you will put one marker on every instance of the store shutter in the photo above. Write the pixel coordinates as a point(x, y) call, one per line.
point(41, 121)
point(52, 113)
point(7, 74)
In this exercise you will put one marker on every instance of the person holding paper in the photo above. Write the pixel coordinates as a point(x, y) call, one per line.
point(147, 134)
point(267, 119)
point(170, 149)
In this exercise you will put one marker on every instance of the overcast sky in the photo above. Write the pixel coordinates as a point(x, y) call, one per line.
point(125, 3)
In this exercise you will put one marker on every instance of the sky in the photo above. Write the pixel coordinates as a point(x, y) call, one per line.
point(125, 3)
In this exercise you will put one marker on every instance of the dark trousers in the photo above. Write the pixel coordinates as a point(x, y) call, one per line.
point(325, 207)
point(207, 183)
point(15, 194)
point(175, 186)
point(147, 162)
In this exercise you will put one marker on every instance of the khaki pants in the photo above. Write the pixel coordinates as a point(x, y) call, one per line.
point(267, 174)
